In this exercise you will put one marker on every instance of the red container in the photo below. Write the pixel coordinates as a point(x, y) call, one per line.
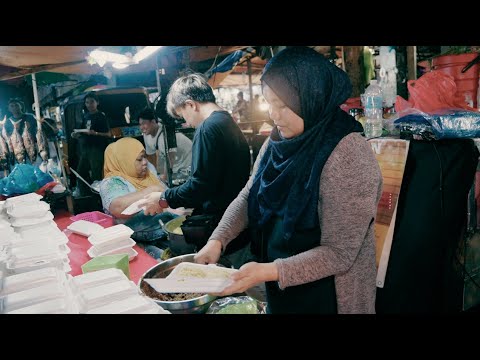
point(467, 83)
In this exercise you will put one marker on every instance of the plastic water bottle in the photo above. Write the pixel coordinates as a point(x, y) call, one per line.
point(52, 167)
point(372, 101)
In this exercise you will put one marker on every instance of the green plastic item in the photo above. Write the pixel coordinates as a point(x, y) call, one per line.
point(118, 261)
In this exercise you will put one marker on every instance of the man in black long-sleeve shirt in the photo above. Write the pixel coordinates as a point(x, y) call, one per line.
point(220, 153)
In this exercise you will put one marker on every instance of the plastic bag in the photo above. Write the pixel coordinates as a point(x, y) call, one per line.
point(24, 179)
point(432, 92)
point(443, 124)
point(237, 305)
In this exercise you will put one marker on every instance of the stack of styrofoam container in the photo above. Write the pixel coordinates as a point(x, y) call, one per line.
point(36, 241)
point(112, 240)
point(109, 291)
point(43, 291)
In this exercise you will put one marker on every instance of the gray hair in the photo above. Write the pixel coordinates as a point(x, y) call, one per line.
point(189, 87)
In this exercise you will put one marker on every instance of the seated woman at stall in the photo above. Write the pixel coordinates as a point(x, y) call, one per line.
point(128, 178)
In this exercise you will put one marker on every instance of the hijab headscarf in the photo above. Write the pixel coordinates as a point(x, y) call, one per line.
point(120, 159)
point(288, 177)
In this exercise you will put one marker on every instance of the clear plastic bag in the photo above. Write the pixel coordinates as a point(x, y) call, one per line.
point(237, 305)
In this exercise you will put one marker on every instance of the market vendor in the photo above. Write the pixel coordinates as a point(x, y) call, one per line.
point(312, 198)
point(128, 178)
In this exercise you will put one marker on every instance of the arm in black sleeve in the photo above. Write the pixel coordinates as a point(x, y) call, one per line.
point(206, 172)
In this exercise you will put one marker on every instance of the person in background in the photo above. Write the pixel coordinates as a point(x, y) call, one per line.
point(220, 155)
point(312, 197)
point(92, 143)
point(153, 135)
point(51, 131)
point(241, 108)
point(128, 178)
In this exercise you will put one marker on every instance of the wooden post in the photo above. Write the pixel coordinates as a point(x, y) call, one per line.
point(354, 68)
point(402, 67)
point(250, 89)
point(412, 62)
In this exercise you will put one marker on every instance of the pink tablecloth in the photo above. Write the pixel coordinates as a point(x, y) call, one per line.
point(79, 245)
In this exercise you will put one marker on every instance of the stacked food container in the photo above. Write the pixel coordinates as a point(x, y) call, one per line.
point(32, 240)
point(112, 240)
point(110, 292)
point(51, 291)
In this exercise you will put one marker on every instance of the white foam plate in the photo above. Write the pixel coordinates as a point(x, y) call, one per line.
point(85, 228)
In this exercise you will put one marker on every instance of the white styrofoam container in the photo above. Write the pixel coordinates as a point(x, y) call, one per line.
point(41, 244)
point(153, 311)
point(27, 198)
point(18, 265)
point(7, 237)
point(186, 270)
point(118, 232)
point(28, 210)
point(33, 296)
point(54, 238)
point(48, 227)
point(101, 295)
point(85, 228)
point(132, 305)
point(96, 278)
point(62, 305)
point(131, 252)
point(38, 249)
point(32, 279)
point(20, 222)
point(107, 246)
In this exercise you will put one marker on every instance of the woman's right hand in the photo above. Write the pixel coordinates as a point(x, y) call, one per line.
point(210, 253)
point(152, 207)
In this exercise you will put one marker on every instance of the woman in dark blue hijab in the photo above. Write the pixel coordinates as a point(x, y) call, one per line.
point(314, 165)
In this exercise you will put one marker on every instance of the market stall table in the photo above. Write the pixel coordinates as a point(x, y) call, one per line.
point(79, 245)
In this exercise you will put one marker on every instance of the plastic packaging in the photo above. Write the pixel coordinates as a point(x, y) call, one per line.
point(373, 102)
point(443, 124)
point(24, 179)
point(237, 305)
point(53, 168)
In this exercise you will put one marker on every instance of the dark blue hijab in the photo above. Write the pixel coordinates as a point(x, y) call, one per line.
point(287, 181)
